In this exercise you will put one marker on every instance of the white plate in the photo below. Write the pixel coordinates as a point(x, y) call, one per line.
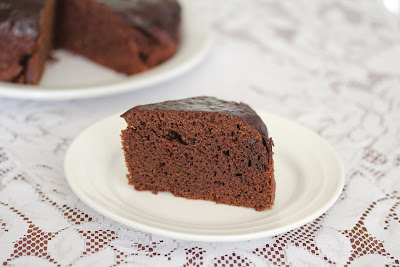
point(73, 76)
point(309, 178)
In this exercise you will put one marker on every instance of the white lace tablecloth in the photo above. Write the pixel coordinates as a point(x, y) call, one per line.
point(333, 66)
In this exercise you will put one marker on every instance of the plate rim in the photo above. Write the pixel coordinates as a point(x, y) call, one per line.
point(214, 237)
point(136, 82)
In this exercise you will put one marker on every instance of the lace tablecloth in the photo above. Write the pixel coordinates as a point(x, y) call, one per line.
point(333, 66)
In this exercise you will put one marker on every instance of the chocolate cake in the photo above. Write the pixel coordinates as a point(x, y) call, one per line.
point(26, 33)
point(128, 36)
point(200, 148)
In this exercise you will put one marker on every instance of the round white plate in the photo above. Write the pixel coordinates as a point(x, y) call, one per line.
point(72, 76)
point(309, 177)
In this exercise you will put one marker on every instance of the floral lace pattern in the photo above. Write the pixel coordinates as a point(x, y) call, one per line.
point(333, 66)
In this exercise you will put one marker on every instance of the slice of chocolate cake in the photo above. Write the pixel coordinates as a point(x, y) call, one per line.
point(26, 33)
point(128, 36)
point(200, 148)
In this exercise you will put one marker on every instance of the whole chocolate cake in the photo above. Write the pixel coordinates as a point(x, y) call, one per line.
point(128, 36)
point(200, 148)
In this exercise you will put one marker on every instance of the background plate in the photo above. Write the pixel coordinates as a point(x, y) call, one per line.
point(72, 76)
point(309, 178)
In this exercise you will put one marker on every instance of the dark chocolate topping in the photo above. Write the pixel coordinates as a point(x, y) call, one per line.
point(146, 13)
point(211, 105)
point(20, 16)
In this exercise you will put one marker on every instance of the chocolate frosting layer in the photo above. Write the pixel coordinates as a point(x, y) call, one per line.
point(212, 105)
point(20, 17)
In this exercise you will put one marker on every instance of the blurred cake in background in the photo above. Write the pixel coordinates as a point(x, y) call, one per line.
point(128, 36)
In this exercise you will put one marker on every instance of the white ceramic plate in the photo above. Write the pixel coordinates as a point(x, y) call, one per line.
point(73, 76)
point(309, 178)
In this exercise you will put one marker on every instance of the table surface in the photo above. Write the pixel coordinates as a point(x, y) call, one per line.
point(333, 66)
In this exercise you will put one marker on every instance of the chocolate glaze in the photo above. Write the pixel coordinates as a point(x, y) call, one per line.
point(213, 105)
point(20, 16)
